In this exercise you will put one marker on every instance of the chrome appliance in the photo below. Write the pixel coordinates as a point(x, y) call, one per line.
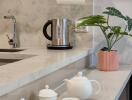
point(62, 33)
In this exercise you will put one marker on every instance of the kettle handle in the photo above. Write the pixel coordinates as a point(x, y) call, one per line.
point(99, 86)
point(49, 22)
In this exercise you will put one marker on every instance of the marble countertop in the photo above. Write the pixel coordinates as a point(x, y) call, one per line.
point(39, 63)
point(112, 83)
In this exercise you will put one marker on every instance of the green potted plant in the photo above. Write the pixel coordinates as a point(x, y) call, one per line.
point(107, 57)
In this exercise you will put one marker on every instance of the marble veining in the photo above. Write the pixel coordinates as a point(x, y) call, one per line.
point(109, 91)
point(17, 74)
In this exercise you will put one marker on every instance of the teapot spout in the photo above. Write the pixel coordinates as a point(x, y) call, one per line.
point(66, 80)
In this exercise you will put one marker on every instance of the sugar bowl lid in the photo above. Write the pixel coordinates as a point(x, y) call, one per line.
point(47, 92)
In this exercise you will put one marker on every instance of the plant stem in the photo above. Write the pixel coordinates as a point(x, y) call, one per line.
point(125, 28)
point(108, 20)
point(107, 40)
point(117, 39)
point(111, 40)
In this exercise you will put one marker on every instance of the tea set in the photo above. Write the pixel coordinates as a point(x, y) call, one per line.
point(78, 88)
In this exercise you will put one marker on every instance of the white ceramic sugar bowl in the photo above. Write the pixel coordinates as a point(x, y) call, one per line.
point(47, 94)
point(81, 87)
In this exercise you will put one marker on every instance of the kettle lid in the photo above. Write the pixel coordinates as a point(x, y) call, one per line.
point(47, 92)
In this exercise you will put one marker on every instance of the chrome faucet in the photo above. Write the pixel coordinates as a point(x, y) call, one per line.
point(12, 41)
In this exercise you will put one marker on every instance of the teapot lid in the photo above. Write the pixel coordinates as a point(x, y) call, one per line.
point(22, 99)
point(80, 76)
point(47, 92)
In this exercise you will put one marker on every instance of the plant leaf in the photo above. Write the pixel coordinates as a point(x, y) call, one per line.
point(130, 35)
point(109, 35)
point(116, 29)
point(124, 33)
point(129, 22)
point(114, 12)
point(92, 21)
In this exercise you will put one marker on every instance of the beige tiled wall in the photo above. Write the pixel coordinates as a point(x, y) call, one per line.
point(31, 16)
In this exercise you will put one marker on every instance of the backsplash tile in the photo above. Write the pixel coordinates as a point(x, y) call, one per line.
point(31, 16)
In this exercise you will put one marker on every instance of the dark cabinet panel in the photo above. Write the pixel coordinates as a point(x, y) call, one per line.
point(130, 89)
point(126, 93)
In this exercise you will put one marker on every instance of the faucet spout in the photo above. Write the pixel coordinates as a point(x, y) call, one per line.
point(10, 17)
point(13, 41)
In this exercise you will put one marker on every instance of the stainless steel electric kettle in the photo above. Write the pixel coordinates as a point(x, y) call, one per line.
point(62, 33)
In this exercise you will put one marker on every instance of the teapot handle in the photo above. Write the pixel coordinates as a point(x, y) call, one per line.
point(99, 86)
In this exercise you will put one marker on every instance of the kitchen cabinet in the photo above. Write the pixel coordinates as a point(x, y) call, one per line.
point(126, 93)
point(130, 89)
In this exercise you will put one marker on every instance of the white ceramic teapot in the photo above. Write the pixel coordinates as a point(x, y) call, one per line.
point(81, 87)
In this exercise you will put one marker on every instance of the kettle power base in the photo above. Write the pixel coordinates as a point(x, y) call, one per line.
point(52, 47)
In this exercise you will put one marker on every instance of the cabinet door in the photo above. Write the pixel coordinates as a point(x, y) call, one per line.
point(125, 94)
point(130, 89)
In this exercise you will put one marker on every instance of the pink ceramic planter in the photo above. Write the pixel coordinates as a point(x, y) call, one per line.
point(108, 61)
